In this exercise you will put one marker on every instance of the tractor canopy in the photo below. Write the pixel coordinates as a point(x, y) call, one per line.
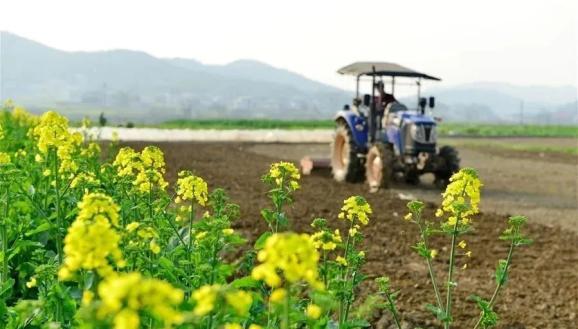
point(383, 69)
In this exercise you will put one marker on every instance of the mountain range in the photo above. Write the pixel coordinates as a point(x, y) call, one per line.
point(131, 85)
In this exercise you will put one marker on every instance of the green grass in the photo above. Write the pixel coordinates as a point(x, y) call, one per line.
point(497, 130)
point(445, 129)
point(247, 124)
point(506, 146)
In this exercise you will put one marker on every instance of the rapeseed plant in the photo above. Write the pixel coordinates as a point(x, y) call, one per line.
point(135, 256)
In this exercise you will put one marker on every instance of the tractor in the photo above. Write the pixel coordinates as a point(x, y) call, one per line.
point(378, 138)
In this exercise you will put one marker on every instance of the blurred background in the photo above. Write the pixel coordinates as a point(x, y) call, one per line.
point(150, 62)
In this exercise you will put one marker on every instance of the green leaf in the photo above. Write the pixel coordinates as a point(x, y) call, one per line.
point(415, 206)
point(523, 241)
point(267, 215)
point(501, 272)
point(422, 250)
point(489, 318)
point(357, 323)
point(6, 289)
point(245, 282)
point(438, 312)
point(260, 243)
point(39, 229)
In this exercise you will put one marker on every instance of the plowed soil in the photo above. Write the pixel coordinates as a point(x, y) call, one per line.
point(543, 287)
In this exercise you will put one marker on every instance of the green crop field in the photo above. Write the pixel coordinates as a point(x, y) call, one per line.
point(498, 130)
point(247, 124)
point(445, 129)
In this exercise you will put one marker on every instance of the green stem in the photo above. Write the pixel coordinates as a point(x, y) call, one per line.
point(279, 205)
point(430, 267)
point(393, 310)
point(4, 237)
point(500, 284)
point(59, 223)
point(177, 233)
point(325, 268)
point(286, 308)
point(150, 198)
point(450, 274)
point(191, 217)
point(344, 275)
point(214, 260)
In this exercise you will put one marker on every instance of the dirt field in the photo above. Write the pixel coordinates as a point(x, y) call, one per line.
point(543, 291)
point(542, 186)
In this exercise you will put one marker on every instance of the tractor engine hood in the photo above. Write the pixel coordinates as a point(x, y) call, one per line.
point(419, 132)
point(411, 117)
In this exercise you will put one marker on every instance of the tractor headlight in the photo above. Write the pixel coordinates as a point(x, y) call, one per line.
point(417, 132)
point(433, 137)
point(424, 134)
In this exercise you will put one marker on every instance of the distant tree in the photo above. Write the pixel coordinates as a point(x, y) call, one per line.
point(102, 120)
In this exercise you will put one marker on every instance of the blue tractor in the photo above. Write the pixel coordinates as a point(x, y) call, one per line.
point(378, 138)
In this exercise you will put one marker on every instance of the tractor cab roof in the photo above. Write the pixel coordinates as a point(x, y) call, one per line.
point(383, 69)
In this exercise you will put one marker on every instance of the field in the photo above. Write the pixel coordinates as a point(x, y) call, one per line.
point(446, 129)
point(544, 281)
point(229, 235)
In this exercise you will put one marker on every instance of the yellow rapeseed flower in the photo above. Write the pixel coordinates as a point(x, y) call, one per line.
point(205, 298)
point(23, 118)
point(52, 132)
point(84, 178)
point(132, 226)
point(292, 255)
point(232, 326)
point(154, 247)
point(341, 261)
point(462, 244)
point(278, 295)
point(240, 300)
point(87, 297)
point(125, 296)
point(326, 240)
point(192, 188)
point(92, 242)
point(31, 283)
point(284, 174)
point(356, 208)
point(127, 162)
point(4, 158)
point(152, 170)
point(313, 311)
point(462, 196)
point(146, 169)
point(228, 231)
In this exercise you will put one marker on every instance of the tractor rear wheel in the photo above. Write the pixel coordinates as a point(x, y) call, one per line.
point(451, 165)
point(379, 166)
point(345, 164)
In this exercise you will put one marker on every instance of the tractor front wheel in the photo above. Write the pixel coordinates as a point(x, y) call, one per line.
point(379, 166)
point(345, 164)
point(451, 165)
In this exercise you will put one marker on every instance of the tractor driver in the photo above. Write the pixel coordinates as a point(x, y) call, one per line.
point(384, 98)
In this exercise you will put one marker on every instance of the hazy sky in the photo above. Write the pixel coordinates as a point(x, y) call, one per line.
point(522, 42)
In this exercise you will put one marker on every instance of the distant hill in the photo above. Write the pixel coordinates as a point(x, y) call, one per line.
point(500, 102)
point(134, 86)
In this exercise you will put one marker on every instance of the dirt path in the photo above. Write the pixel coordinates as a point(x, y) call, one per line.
point(543, 288)
point(542, 187)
